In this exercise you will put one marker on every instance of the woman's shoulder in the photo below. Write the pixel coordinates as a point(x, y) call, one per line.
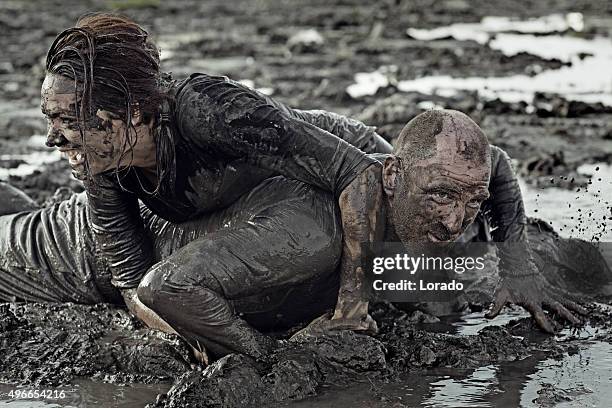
point(198, 81)
point(216, 91)
point(214, 86)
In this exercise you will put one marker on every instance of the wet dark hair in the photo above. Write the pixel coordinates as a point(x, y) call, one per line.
point(116, 67)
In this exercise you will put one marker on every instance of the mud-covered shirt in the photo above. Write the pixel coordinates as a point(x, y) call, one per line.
point(228, 138)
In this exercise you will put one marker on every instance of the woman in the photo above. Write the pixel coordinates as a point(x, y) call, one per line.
point(196, 147)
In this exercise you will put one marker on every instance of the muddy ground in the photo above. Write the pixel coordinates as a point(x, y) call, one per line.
point(54, 345)
point(51, 346)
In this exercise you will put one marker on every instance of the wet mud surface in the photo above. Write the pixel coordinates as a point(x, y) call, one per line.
point(51, 345)
point(54, 346)
point(267, 44)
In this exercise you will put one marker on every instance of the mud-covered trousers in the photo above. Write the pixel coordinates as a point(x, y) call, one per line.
point(269, 259)
point(281, 237)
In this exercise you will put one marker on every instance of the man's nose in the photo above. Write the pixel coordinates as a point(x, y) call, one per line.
point(454, 220)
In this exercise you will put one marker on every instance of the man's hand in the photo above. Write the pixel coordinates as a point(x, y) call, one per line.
point(326, 324)
point(535, 294)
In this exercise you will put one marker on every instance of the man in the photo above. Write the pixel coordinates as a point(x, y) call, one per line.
point(433, 186)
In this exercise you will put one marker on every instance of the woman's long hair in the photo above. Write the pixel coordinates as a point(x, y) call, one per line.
point(116, 68)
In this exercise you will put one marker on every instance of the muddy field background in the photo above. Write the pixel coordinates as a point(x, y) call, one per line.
point(313, 55)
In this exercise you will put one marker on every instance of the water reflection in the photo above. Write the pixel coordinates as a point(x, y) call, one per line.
point(575, 380)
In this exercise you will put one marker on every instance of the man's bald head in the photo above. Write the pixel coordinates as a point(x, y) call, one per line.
point(438, 177)
point(447, 132)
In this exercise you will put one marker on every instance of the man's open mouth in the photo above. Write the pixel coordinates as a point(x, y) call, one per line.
point(446, 238)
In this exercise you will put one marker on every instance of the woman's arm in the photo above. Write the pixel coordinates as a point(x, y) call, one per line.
point(350, 130)
point(231, 120)
point(119, 230)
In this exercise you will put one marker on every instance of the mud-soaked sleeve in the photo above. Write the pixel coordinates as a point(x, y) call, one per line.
point(119, 231)
point(506, 212)
point(215, 114)
point(350, 130)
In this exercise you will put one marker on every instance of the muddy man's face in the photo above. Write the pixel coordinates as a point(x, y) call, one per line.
point(436, 199)
point(93, 146)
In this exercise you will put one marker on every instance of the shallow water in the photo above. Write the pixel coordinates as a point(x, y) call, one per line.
point(586, 79)
point(34, 157)
point(579, 379)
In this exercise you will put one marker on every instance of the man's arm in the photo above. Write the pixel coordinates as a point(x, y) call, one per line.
point(521, 282)
point(362, 222)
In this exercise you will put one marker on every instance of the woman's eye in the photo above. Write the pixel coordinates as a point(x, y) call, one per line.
point(70, 123)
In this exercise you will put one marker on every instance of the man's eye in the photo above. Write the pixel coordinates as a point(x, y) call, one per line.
point(441, 197)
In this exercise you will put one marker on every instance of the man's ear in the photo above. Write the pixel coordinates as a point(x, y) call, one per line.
point(390, 171)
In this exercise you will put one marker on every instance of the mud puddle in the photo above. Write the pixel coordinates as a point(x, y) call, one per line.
point(577, 378)
point(582, 77)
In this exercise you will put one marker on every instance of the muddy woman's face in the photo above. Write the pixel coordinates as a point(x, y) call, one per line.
point(102, 139)
point(436, 199)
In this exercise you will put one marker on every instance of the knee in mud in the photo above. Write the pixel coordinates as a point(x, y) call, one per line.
point(149, 288)
point(146, 295)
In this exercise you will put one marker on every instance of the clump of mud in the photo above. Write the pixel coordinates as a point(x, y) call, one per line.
point(51, 345)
